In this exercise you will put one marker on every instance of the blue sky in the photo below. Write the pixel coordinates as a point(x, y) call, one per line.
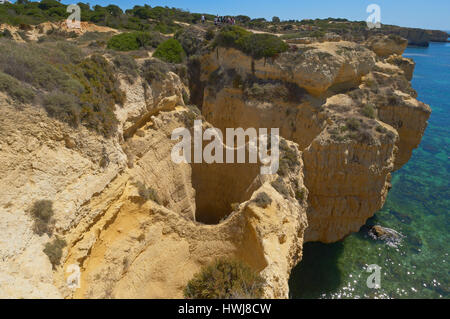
point(431, 14)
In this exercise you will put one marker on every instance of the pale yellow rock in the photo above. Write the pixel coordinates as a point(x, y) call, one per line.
point(23, 33)
point(386, 45)
point(406, 64)
point(348, 180)
point(141, 226)
point(314, 67)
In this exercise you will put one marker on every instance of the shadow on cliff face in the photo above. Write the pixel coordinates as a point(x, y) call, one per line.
point(318, 272)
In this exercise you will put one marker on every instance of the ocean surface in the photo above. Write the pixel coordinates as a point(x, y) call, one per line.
point(418, 206)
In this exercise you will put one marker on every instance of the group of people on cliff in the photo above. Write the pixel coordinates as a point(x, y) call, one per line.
point(220, 20)
point(224, 20)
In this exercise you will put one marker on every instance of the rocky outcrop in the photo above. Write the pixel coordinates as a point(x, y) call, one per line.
point(138, 225)
point(386, 45)
point(132, 247)
point(25, 32)
point(409, 117)
point(392, 237)
point(314, 68)
point(341, 114)
point(406, 64)
point(43, 159)
point(417, 37)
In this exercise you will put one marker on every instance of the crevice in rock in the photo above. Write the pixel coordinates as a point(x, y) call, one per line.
point(196, 86)
point(219, 186)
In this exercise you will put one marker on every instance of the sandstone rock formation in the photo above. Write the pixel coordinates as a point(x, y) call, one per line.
point(386, 45)
point(418, 37)
point(139, 225)
point(114, 232)
point(24, 32)
point(407, 65)
point(347, 175)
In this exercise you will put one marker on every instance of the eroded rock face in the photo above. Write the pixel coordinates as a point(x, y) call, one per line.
point(406, 64)
point(136, 248)
point(314, 67)
point(386, 45)
point(419, 37)
point(347, 184)
point(24, 33)
point(140, 226)
point(43, 159)
point(348, 118)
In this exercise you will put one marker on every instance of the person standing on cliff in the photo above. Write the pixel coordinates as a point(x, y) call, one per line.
point(203, 19)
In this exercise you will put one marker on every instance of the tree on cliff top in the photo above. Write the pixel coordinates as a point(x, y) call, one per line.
point(170, 51)
point(257, 46)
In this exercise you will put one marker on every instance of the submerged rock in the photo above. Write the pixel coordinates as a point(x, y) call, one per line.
point(388, 235)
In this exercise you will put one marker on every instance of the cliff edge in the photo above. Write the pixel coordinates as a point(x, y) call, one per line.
point(139, 225)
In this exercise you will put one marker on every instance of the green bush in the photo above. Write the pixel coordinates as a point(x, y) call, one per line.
point(27, 64)
point(210, 34)
point(288, 158)
point(101, 93)
point(40, 65)
point(262, 200)
point(147, 193)
point(155, 70)
point(149, 39)
point(381, 129)
point(123, 42)
point(127, 65)
point(15, 89)
point(369, 111)
point(317, 34)
point(191, 39)
point(300, 194)
point(63, 106)
point(170, 51)
point(232, 37)
point(280, 187)
point(353, 124)
point(94, 36)
point(54, 251)
point(42, 214)
point(166, 28)
point(256, 45)
point(134, 40)
point(224, 279)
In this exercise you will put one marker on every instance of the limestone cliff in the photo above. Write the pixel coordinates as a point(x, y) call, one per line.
point(139, 225)
point(418, 37)
point(129, 245)
point(345, 108)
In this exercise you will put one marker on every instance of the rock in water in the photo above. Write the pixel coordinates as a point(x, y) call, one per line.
point(388, 235)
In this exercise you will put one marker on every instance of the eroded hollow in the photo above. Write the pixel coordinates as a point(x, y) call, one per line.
point(218, 186)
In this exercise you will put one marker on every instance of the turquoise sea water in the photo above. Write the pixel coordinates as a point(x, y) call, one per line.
point(418, 206)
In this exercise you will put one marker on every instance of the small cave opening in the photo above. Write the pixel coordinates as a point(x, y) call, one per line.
point(220, 185)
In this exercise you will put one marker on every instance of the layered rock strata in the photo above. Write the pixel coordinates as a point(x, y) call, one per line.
point(140, 226)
